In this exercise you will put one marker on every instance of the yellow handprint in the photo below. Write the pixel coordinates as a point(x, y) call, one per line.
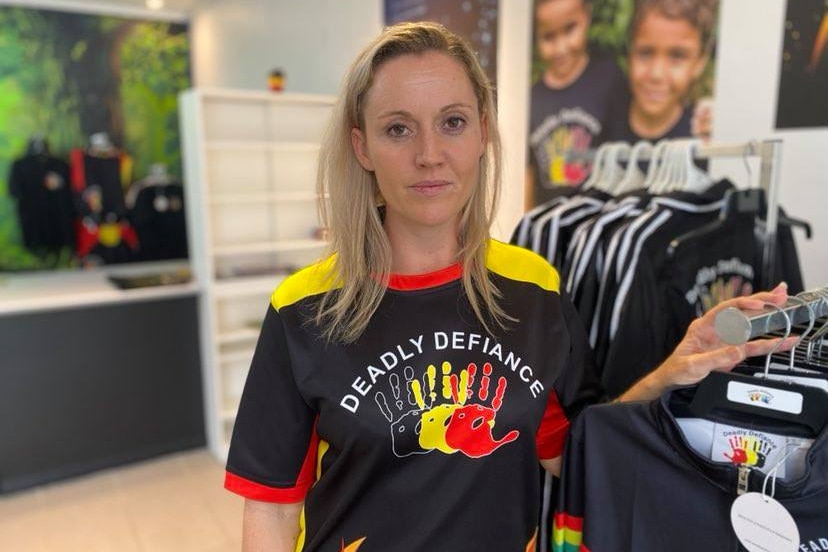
point(435, 419)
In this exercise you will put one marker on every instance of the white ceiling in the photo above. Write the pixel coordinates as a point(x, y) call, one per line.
point(170, 6)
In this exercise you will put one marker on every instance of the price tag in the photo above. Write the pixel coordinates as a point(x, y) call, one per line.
point(762, 524)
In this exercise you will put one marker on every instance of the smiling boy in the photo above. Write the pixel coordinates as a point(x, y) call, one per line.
point(670, 43)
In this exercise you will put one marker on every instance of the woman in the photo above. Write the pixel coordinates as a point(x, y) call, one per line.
point(404, 388)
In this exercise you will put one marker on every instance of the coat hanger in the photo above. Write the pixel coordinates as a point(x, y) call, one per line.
point(665, 172)
point(100, 144)
point(38, 145)
point(611, 171)
point(692, 179)
point(759, 396)
point(633, 178)
point(656, 157)
point(157, 175)
point(819, 336)
point(597, 166)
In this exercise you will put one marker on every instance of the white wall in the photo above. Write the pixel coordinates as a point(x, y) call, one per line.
point(236, 43)
point(747, 81)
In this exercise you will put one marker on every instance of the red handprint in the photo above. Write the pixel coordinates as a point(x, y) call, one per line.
point(470, 427)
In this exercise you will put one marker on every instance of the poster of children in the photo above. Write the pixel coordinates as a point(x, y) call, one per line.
point(614, 70)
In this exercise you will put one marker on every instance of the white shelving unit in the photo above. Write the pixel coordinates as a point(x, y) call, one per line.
point(250, 167)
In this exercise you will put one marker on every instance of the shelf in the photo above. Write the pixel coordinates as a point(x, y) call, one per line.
point(262, 145)
point(261, 197)
point(21, 293)
point(252, 285)
point(267, 247)
point(251, 159)
point(238, 336)
point(210, 95)
point(238, 356)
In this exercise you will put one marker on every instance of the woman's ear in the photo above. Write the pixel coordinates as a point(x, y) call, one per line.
point(361, 149)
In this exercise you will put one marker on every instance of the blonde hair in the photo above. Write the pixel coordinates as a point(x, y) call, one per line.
point(349, 197)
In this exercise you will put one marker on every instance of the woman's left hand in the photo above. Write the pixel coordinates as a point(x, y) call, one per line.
point(701, 351)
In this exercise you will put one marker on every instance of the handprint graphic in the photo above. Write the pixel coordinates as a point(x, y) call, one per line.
point(436, 416)
point(406, 424)
point(435, 413)
point(470, 427)
point(747, 450)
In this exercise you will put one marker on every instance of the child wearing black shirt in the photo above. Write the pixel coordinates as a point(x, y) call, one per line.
point(572, 101)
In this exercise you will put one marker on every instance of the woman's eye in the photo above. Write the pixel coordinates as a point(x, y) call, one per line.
point(455, 123)
point(396, 130)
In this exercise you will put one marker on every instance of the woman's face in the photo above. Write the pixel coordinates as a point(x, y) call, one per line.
point(423, 138)
point(665, 59)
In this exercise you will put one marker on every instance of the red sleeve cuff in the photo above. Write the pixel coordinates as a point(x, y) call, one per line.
point(283, 495)
point(551, 434)
point(257, 491)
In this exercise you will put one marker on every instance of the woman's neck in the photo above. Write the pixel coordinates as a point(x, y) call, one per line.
point(423, 252)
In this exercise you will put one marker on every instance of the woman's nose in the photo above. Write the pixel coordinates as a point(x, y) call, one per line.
point(429, 150)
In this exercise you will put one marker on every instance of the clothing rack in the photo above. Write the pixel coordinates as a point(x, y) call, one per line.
point(769, 153)
point(735, 326)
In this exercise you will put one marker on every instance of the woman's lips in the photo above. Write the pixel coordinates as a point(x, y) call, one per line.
point(430, 187)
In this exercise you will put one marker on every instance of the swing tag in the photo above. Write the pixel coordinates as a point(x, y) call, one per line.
point(762, 524)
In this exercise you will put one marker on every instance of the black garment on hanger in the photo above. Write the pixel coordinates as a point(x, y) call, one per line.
point(634, 311)
point(158, 219)
point(630, 481)
point(105, 173)
point(40, 184)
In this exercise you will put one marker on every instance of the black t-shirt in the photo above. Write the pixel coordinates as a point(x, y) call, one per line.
point(40, 184)
point(158, 219)
point(571, 121)
point(620, 129)
point(649, 477)
point(425, 433)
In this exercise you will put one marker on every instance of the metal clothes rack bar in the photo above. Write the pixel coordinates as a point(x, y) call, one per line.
point(735, 326)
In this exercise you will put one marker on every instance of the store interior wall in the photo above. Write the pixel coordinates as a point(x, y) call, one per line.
point(237, 42)
point(747, 83)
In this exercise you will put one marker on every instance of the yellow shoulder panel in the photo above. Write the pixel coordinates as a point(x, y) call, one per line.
point(311, 280)
point(517, 263)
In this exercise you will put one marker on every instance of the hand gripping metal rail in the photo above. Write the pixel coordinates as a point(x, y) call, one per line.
point(734, 326)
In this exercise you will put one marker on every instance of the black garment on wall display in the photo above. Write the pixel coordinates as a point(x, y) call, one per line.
point(158, 219)
point(104, 234)
point(40, 185)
